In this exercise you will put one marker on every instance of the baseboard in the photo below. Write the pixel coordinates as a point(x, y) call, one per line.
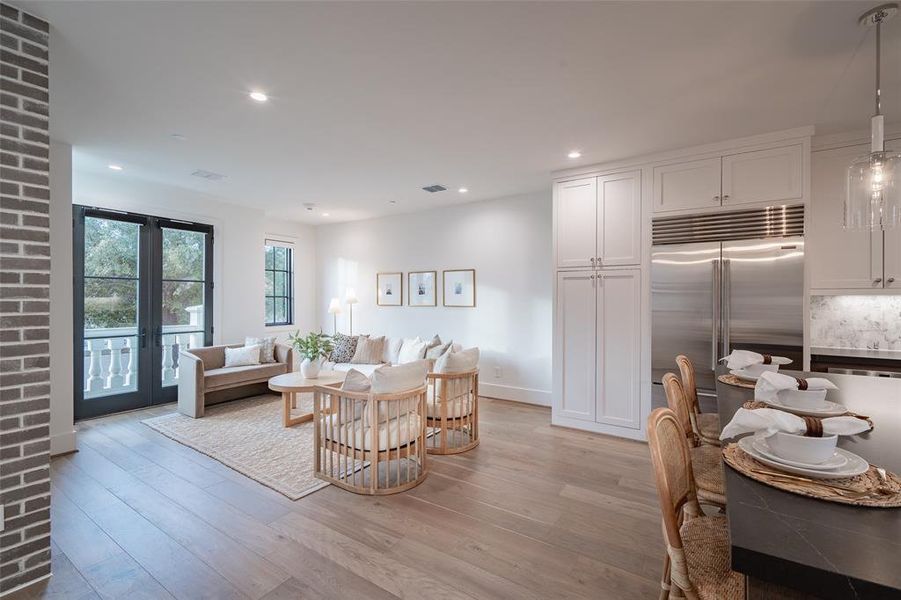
point(62, 443)
point(517, 394)
point(25, 586)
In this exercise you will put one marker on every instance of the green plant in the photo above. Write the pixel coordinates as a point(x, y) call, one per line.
point(312, 345)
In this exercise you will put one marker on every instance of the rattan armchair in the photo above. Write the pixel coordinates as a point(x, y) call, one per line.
point(370, 443)
point(705, 425)
point(452, 412)
point(697, 562)
point(706, 460)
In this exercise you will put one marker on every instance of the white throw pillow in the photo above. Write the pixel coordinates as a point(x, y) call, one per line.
point(411, 350)
point(435, 352)
point(242, 357)
point(267, 347)
point(391, 350)
point(408, 376)
point(356, 382)
point(458, 362)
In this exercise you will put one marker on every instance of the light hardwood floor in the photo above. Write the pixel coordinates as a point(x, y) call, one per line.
point(535, 512)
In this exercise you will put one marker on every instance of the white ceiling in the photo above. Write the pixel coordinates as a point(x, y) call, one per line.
point(371, 101)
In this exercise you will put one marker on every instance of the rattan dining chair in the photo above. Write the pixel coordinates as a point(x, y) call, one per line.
point(697, 562)
point(706, 460)
point(705, 425)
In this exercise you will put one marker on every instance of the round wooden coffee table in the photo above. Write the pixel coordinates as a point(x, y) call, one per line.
point(291, 384)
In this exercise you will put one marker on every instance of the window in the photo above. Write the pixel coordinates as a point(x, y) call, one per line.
point(279, 283)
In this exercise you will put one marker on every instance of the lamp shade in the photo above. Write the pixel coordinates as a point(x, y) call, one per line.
point(874, 192)
point(334, 307)
point(350, 296)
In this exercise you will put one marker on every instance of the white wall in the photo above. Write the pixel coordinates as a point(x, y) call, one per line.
point(507, 241)
point(239, 233)
point(62, 431)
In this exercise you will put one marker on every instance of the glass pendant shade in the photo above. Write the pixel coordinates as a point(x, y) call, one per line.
point(874, 192)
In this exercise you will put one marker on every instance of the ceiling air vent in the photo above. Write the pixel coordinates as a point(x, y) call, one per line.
point(208, 175)
point(434, 188)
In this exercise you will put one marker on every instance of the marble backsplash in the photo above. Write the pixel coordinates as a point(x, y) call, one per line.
point(872, 322)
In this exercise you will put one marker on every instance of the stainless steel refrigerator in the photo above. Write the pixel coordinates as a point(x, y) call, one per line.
point(725, 281)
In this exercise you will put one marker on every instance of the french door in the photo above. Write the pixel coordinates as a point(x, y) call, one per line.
point(143, 292)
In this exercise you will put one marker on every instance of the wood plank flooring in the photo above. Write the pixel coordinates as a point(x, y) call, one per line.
point(535, 512)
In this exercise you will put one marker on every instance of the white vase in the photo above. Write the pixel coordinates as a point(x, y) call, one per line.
point(309, 368)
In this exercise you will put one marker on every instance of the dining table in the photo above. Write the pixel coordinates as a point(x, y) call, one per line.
point(799, 547)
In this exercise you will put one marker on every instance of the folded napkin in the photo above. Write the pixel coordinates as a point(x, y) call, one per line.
point(769, 384)
point(740, 359)
point(769, 421)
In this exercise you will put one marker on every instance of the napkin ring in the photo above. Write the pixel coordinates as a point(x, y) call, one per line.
point(802, 383)
point(767, 359)
point(814, 427)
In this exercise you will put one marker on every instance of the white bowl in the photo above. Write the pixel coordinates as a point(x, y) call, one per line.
point(803, 399)
point(803, 449)
point(759, 369)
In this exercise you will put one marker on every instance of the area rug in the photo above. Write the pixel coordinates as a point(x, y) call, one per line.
point(248, 436)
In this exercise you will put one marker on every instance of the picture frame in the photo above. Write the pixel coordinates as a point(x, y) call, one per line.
point(459, 288)
point(389, 289)
point(422, 288)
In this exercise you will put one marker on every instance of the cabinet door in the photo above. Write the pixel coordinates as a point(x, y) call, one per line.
point(838, 258)
point(618, 400)
point(692, 184)
point(576, 215)
point(619, 219)
point(576, 314)
point(773, 175)
point(892, 258)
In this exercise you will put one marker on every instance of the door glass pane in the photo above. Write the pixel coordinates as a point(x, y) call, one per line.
point(111, 296)
point(183, 302)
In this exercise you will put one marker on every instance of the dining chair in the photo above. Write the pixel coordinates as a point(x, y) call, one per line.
point(697, 562)
point(706, 460)
point(367, 443)
point(705, 425)
point(452, 412)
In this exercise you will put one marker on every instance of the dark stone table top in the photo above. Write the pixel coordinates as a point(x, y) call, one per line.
point(822, 548)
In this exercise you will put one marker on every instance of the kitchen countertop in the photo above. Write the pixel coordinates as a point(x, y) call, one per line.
point(856, 353)
point(828, 550)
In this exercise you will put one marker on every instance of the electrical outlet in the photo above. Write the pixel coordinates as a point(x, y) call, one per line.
point(498, 372)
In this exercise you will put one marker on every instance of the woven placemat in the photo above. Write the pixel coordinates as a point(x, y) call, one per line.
point(754, 404)
point(866, 489)
point(731, 379)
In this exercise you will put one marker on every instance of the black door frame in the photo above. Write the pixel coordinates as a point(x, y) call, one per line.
point(150, 389)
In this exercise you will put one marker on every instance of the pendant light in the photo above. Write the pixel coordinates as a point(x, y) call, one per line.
point(873, 199)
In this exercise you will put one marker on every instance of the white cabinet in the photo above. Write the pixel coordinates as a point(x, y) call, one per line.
point(771, 175)
point(690, 184)
point(598, 221)
point(764, 176)
point(841, 259)
point(597, 347)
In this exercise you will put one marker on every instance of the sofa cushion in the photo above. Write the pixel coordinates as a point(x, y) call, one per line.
point(412, 350)
point(267, 347)
point(226, 377)
point(212, 357)
point(344, 347)
point(391, 350)
point(369, 350)
point(243, 356)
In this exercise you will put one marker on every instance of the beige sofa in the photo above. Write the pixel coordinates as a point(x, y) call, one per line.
point(204, 379)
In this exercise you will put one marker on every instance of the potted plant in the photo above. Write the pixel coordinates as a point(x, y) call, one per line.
point(313, 347)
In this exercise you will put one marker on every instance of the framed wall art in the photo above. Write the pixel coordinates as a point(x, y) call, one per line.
point(460, 288)
point(421, 290)
point(389, 289)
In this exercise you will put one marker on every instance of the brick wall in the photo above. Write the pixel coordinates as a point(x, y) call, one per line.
point(24, 299)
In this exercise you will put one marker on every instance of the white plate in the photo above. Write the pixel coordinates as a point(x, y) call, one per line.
point(744, 375)
point(836, 461)
point(829, 409)
point(856, 465)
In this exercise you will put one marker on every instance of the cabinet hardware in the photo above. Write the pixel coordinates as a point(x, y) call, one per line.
point(877, 280)
point(890, 280)
point(599, 261)
point(726, 197)
point(716, 198)
point(592, 261)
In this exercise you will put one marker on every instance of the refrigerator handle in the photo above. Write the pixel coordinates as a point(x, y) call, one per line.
point(727, 303)
point(715, 299)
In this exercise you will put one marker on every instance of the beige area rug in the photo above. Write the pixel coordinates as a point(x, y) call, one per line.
point(247, 435)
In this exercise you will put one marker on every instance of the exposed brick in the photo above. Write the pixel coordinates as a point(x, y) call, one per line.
point(28, 491)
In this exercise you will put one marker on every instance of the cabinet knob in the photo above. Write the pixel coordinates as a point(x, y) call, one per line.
point(592, 261)
point(716, 198)
point(890, 280)
point(726, 197)
point(598, 259)
point(877, 280)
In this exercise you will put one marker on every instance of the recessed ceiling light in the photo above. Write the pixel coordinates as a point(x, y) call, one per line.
point(574, 154)
point(115, 167)
point(463, 190)
point(258, 96)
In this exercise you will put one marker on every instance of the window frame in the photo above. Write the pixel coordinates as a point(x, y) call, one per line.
point(288, 272)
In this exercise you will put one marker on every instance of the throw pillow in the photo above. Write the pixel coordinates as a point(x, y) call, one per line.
point(458, 362)
point(344, 348)
point(435, 341)
point(242, 357)
point(369, 351)
point(356, 382)
point(388, 380)
point(411, 350)
point(435, 352)
point(391, 350)
point(267, 347)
